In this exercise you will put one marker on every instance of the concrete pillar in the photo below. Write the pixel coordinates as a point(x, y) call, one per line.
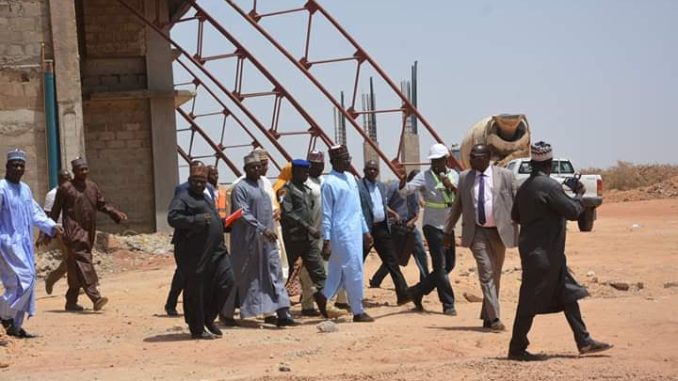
point(67, 75)
point(410, 152)
point(162, 114)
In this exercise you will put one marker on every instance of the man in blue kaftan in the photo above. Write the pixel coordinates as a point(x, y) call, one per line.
point(18, 214)
point(343, 227)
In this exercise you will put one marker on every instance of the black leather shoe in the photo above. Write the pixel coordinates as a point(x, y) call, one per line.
point(450, 311)
point(311, 312)
point(74, 308)
point(171, 311)
point(321, 301)
point(496, 326)
point(286, 322)
point(524, 356)
point(202, 336)
point(19, 333)
point(227, 321)
point(270, 320)
point(594, 347)
point(363, 318)
point(343, 306)
point(416, 298)
point(213, 329)
point(404, 299)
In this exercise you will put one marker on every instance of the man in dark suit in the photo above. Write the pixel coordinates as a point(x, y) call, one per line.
point(373, 202)
point(484, 199)
point(177, 281)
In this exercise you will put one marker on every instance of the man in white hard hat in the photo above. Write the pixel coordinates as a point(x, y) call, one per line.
point(438, 188)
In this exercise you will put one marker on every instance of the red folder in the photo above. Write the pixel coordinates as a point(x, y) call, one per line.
point(232, 218)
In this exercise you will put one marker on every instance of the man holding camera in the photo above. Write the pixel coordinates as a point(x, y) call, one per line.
point(542, 209)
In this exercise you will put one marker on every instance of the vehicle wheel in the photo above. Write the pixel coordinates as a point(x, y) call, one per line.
point(586, 219)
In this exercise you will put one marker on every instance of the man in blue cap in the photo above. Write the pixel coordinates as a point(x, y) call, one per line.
point(300, 235)
point(19, 213)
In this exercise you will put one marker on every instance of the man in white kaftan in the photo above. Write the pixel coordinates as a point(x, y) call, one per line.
point(343, 227)
point(18, 214)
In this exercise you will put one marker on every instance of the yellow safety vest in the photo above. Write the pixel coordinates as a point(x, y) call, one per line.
point(446, 193)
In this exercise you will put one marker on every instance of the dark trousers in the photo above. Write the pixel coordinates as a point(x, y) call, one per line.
point(309, 251)
point(383, 244)
point(522, 325)
point(443, 262)
point(175, 290)
point(81, 274)
point(205, 293)
point(419, 256)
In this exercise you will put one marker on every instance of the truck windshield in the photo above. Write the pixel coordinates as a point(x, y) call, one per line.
point(557, 167)
point(565, 167)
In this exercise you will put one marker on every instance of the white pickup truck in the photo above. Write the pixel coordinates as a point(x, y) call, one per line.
point(562, 169)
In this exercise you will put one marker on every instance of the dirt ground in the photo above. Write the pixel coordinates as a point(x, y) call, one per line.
point(132, 339)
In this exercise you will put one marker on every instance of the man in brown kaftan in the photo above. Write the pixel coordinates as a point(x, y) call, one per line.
point(79, 200)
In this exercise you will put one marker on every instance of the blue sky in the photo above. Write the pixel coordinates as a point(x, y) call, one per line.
point(597, 79)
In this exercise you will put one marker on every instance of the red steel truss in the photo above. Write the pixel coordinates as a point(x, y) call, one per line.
point(194, 64)
point(207, 84)
point(360, 56)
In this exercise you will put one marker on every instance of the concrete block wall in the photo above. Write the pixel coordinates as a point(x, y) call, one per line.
point(113, 74)
point(109, 106)
point(118, 140)
point(24, 26)
point(117, 124)
point(113, 31)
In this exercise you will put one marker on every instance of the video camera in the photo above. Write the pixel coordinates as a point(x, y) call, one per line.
point(573, 182)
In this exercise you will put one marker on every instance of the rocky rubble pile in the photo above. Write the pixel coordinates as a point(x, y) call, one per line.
point(49, 257)
point(157, 243)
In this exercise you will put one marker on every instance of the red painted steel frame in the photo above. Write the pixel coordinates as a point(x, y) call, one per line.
point(242, 54)
point(360, 56)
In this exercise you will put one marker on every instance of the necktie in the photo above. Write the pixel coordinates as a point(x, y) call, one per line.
point(481, 200)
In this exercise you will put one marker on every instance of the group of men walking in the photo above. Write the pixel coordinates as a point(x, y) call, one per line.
point(331, 223)
point(74, 204)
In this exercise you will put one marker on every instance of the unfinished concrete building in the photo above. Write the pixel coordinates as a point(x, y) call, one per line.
point(110, 107)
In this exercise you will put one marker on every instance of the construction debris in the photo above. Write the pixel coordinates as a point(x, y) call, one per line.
point(621, 286)
point(327, 327)
point(472, 298)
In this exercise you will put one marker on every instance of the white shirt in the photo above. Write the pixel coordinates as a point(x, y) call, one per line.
point(49, 202)
point(489, 182)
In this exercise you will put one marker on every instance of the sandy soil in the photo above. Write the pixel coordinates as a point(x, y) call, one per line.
point(132, 339)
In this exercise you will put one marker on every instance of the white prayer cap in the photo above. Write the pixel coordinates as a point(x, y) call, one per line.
point(541, 151)
point(16, 154)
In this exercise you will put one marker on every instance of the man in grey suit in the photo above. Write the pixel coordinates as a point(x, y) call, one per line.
point(485, 199)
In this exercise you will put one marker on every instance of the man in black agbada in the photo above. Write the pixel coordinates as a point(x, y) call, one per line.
point(201, 256)
point(542, 209)
point(301, 237)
